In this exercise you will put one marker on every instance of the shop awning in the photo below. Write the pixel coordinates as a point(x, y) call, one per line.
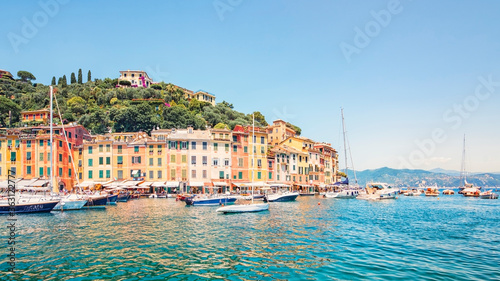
point(146, 184)
point(172, 184)
point(158, 184)
point(220, 183)
point(195, 183)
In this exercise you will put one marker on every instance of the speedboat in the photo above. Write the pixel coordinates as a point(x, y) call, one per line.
point(378, 191)
point(488, 195)
point(448, 192)
point(244, 208)
point(344, 192)
point(432, 191)
point(96, 201)
point(413, 192)
point(123, 197)
point(112, 198)
point(281, 196)
point(213, 200)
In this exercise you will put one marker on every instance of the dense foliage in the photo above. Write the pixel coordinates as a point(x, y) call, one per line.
point(102, 107)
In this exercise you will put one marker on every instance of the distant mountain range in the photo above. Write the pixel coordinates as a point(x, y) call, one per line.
point(412, 178)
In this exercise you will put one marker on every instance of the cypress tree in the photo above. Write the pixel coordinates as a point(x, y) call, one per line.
point(89, 77)
point(80, 76)
point(73, 78)
point(59, 81)
point(53, 81)
point(64, 81)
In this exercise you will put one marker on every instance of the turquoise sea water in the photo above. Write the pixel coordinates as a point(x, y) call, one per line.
point(411, 238)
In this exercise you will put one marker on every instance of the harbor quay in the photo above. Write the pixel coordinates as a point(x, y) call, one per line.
point(169, 160)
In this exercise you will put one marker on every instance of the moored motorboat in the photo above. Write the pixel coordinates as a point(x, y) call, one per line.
point(448, 192)
point(27, 207)
point(378, 191)
point(244, 208)
point(112, 199)
point(284, 196)
point(70, 202)
point(488, 195)
point(123, 197)
point(96, 201)
point(214, 200)
point(432, 192)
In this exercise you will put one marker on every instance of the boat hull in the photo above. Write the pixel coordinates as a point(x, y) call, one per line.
point(193, 201)
point(70, 205)
point(112, 199)
point(97, 202)
point(40, 207)
point(123, 198)
point(281, 198)
point(345, 194)
point(307, 194)
point(248, 208)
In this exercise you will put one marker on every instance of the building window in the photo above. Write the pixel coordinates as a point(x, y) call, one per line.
point(159, 162)
point(91, 162)
point(184, 159)
point(119, 160)
point(28, 170)
point(60, 157)
point(108, 147)
point(235, 139)
point(204, 174)
point(90, 174)
point(193, 174)
point(108, 174)
point(235, 148)
point(262, 140)
point(270, 175)
point(172, 158)
point(151, 174)
point(69, 173)
point(100, 147)
point(60, 143)
point(215, 162)
point(41, 143)
point(136, 159)
point(159, 175)
point(101, 174)
point(172, 174)
point(101, 160)
point(204, 160)
point(240, 162)
point(259, 163)
point(136, 149)
point(226, 162)
point(28, 143)
point(119, 149)
point(221, 175)
point(40, 172)
point(205, 145)
point(240, 175)
point(216, 146)
point(193, 160)
point(60, 172)
point(184, 145)
point(28, 155)
point(90, 150)
point(184, 174)
point(193, 145)
point(262, 149)
point(245, 149)
point(227, 147)
point(151, 161)
point(108, 160)
point(259, 175)
point(120, 174)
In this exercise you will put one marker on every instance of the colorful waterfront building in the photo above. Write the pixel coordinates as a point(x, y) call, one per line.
point(199, 157)
point(279, 131)
point(97, 159)
point(178, 144)
point(258, 153)
point(240, 158)
point(41, 115)
point(221, 157)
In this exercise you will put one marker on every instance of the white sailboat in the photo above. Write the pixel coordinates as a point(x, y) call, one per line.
point(342, 190)
point(71, 201)
point(247, 208)
point(468, 189)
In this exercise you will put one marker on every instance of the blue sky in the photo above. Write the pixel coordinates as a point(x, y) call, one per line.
point(412, 81)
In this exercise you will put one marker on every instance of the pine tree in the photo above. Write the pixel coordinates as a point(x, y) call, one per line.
point(59, 81)
point(80, 76)
point(64, 81)
point(89, 76)
point(53, 81)
point(73, 78)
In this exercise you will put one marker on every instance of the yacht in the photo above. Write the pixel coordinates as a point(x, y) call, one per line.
point(378, 191)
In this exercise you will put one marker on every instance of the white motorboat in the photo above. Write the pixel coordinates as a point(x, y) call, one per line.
point(70, 202)
point(244, 208)
point(347, 193)
point(378, 191)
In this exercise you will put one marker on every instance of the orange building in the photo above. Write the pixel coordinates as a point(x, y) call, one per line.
point(240, 155)
point(42, 115)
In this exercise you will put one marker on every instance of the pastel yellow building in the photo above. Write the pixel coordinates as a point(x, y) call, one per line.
point(137, 78)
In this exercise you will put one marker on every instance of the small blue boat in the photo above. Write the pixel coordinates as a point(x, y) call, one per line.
point(123, 197)
point(112, 199)
point(96, 202)
point(281, 197)
point(209, 201)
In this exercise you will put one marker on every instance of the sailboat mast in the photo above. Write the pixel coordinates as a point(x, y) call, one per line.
point(51, 142)
point(345, 147)
point(463, 175)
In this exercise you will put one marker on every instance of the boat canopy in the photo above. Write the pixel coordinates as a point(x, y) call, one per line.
point(344, 182)
point(195, 183)
point(220, 183)
point(156, 184)
point(172, 184)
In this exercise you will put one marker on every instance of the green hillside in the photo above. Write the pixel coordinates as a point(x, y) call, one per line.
point(102, 107)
